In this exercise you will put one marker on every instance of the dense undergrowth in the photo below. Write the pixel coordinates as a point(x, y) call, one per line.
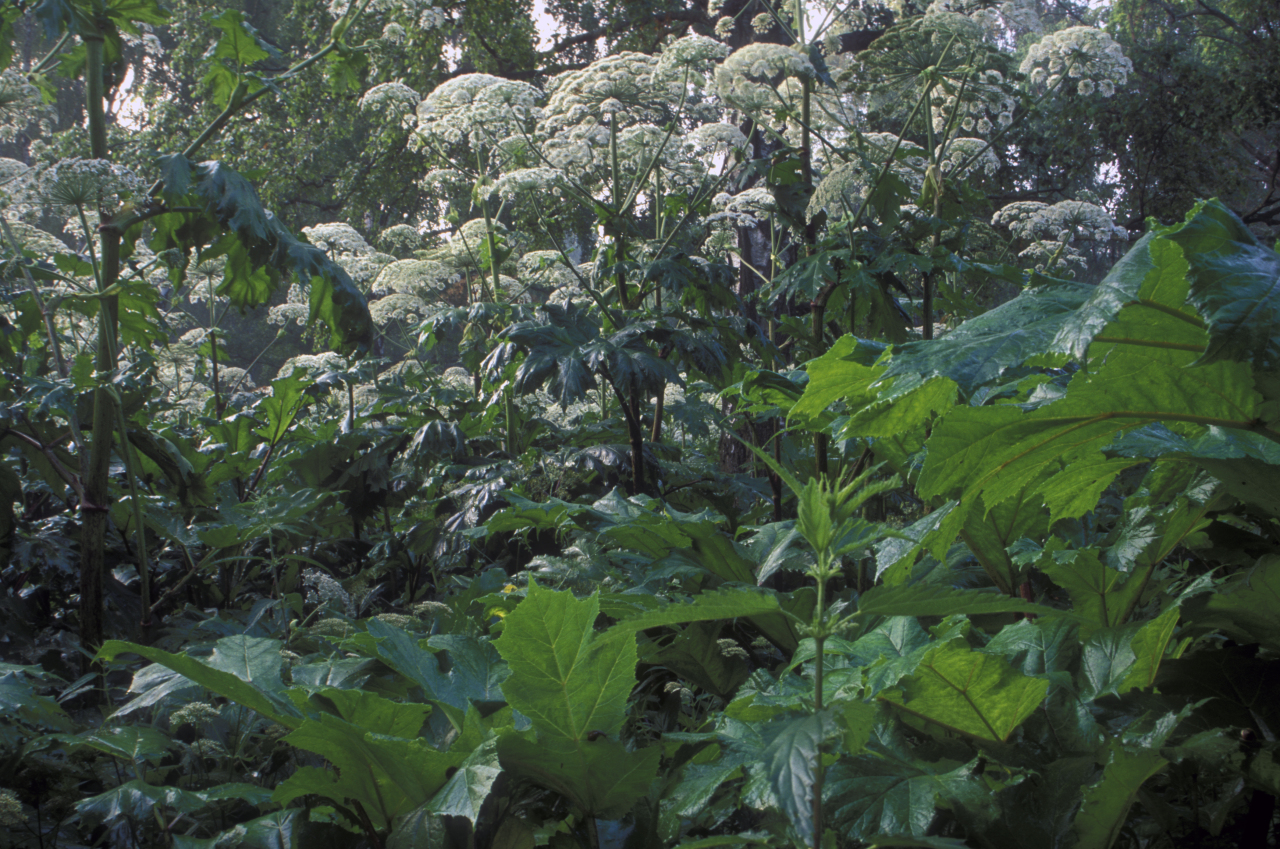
point(1072, 645)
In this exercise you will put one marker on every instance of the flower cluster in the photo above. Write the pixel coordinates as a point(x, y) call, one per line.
point(987, 103)
point(1085, 54)
point(393, 101)
point(1064, 221)
point(747, 78)
point(694, 54)
point(744, 208)
point(400, 239)
point(578, 149)
point(423, 278)
point(327, 590)
point(546, 270)
point(20, 104)
point(88, 183)
point(337, 238)
point(444, 181)
point(618, 88)
point(316, 365)
point(716, 137)
point(524, 180)
point(478, 108)
point(970, 155)
point(997, 17)
point(398, 306)
point(11, 813)
point(840, 192)
point(194, 713)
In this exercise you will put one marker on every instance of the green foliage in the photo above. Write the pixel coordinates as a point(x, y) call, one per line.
point(721, 478)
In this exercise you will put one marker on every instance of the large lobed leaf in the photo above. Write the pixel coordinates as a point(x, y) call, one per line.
point(1235, 284)
point(969, 692)
point(573, 684)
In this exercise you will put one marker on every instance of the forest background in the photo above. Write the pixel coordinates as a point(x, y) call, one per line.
point(758, 424)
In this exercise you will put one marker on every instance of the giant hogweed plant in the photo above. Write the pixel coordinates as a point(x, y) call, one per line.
point(192, 209)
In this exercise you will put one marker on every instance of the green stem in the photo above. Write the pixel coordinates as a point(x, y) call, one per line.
point(93, 508)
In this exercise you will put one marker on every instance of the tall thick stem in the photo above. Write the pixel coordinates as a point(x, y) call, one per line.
point(97, 480)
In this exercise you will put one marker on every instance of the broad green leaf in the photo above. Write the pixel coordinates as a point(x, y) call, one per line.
point(373, 713)
point(939, 600)
point(1103, 597)
point(565, 677)
point(573, 684)
point(420, 829)
point(888, 790)
point(969, 692)
point(697, 784)
point(1075, 490)
point(697, 656)
point(890, 651)
point(922, 842)
point(1246, 607)
point(476, 671)
point(599, 777)
point(136, 799)
point(1235, 283)
point(244, 672)
point(990, 532)
point(134, 743)
point(1148, 647)
point(933, 533)
point(997, 451)
point(1108, 657)
point(20, 698)
point(903, 407)
point(1042, 648)
point(1119, 288)
point(791, 760)
point(1106, 804)
point(834, 376)
point(466, 790)
point(983, 348)
point(278, 830)
point(284, 403)
point(389, 775)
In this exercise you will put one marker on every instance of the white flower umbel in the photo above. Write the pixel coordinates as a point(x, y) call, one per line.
point(314, 365)
point(619, 89)
point(747, 79)
point(422, 278)
point(398, 306)
point(337, 238)
point(1033, 220)
point(20, 105)
point(393, 101)
point(964, 150)
point(511, 186)
point(746, 207)
point(1078, 53)
point(840, 193)
point(693, 54)
point(478, 108)
point(88, 183)
point(716, 137)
